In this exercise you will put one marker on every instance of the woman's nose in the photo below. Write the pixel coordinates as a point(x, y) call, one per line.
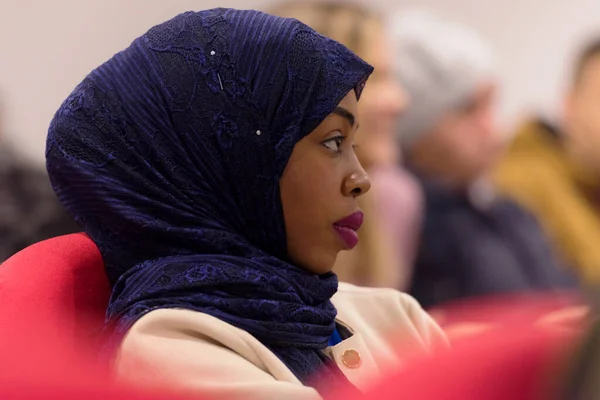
point(357, 184)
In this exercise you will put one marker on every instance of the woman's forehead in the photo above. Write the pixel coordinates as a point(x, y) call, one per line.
point(349, 101)
point(349, 104)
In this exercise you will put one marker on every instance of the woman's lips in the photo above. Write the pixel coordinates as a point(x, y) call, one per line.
point(347, 227)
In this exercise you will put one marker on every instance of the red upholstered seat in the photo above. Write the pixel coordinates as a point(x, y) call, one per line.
point(60, 282)
point(53, 297)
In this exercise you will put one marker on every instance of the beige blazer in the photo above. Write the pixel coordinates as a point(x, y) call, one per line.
point(194, 352)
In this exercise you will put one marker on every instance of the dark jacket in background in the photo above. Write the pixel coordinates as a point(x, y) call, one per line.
point(472, 248)
point(29, 209)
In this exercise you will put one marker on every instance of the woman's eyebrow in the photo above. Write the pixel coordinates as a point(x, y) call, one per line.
point(342, 112)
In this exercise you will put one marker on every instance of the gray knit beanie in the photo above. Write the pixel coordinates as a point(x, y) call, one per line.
point(440, 64)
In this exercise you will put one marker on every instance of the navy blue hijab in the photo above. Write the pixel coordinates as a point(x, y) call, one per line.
point(169, 155)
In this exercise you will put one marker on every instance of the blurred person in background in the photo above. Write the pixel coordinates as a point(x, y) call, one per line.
point(393, 207)
point(473, 241)
point(554, 170)
point(29, 209)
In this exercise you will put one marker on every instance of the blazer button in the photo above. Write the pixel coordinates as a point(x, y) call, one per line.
point(351, 359)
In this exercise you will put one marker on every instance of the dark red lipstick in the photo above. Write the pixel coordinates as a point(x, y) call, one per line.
point(347, 227)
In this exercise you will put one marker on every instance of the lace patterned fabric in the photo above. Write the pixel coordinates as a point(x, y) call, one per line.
point(170, 155)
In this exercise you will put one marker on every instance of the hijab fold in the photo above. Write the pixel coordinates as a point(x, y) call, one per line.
point(169, 156)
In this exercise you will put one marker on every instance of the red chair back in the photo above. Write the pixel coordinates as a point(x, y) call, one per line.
point(59, 282)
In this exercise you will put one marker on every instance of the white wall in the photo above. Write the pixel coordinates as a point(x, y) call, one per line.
point(47, 47)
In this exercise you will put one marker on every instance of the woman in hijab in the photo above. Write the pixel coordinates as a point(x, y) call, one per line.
point(213, 164)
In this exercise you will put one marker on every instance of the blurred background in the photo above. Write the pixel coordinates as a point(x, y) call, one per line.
point(534, 41)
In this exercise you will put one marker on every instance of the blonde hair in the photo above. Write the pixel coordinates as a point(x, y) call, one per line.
point(346, 23)
point(371, 263)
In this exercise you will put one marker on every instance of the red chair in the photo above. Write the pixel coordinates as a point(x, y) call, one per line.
point(53, 297)
point(59, 283)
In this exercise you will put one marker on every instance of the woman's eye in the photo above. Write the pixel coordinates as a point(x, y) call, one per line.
point(334, 143)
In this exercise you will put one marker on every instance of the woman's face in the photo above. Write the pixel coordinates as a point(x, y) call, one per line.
point(319, 190)
point(381, 103)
